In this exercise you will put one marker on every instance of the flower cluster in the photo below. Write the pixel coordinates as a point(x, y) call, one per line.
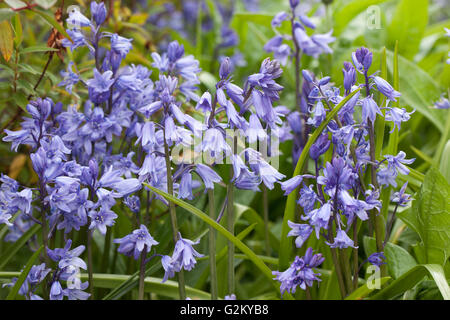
point(300, 23)
point(301, 272)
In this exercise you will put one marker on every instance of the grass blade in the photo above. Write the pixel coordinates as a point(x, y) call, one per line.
point(23, 275)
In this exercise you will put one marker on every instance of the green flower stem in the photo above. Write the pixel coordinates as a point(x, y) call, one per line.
point(90, 264)
point(347, 271)
point(173, 215)
point(142, 274)
point(266, 219)
point(212, 246)
point(230, 228)
point(355, 255)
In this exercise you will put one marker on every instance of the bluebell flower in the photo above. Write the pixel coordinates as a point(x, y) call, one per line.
point(377, 259)
point(281, 51)
point(133, 203)
point(341, 241)
point(385, 88)
point(70, 78)
point(134, 243)
point(291, 184)
point(230, 297)
point(183, 257)
point(185, 188)
point(443, 103)
point(349, 76)
point(185, 254)
point(304, 19)
point(362, 59)
point(56, 291)
point(400, 197)
point(308, 198)
point(396, 163)
point(255, 130)
point(4, 218)
point(204, 104)
point(337, 176)
point(208, 175)
point(76, 292)
point(370, 110)
point(387, 176)
point(300, 273)
point(319, 218)
point(214, 142)
point(300, 231)
point(36, 275)
point(319, 115)
point(319, 147)
point(397, 115)
point(121, 45)
point(225, 68)
point(98, 12)
point(279, 18)
point(170, 267)
point(77, 19)
point(100, 219)
point(126, 187)
point(99, 86)
point(65, 257)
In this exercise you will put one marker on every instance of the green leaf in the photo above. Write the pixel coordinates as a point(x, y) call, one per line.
point(252, 216)
point(289, 212)
point(37, 49)
point(364, 291)
point(408, 26)
point(430, 217)
point(398, 260)
point(6, 14)
point(15, 247)
point(444, 168)
point(413, 277)
point(46, 4)
point(23, 275)
point(346, 13)
point(18, 30)
point(6, 40)
point(15, 4)
point(419, 90)
point(52, 22)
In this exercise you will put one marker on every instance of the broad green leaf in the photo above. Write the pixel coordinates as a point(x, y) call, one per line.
point(289, 212)
point(46, 4)
point(17, 30)
point(37, 49)
point(411, 278)
point(430, 217)
point(252, 216)
point(6, 14)
point(6, 40)
point(346, 13)
point(444, 167)
point(23, 275)
point(364, 291)
point(398, 259)
point(408, 26)
point(419, 90)
point(16, 246)
point(208, 80)
point(15, 4)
